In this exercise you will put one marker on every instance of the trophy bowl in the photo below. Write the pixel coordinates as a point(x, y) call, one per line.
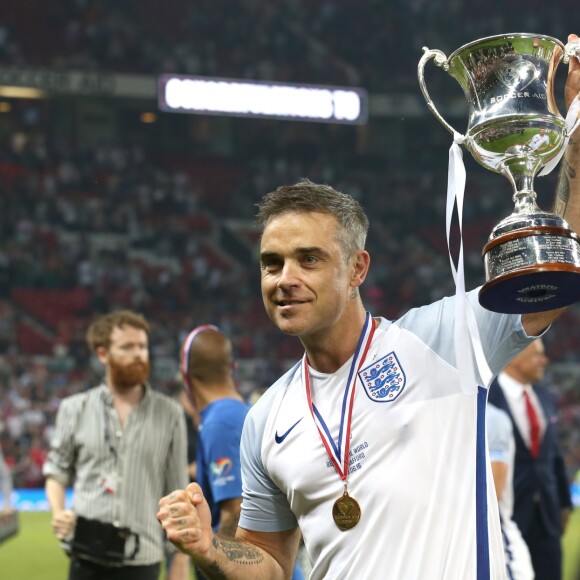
point(532, 257)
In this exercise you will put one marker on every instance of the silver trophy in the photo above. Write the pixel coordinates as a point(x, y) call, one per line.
point(532, 257)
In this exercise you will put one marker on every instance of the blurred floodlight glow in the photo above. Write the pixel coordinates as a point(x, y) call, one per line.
point(261, 99)
point(346, 105)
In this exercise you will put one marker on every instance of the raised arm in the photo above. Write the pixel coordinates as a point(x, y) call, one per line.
point(186, 519)
point(567, 199)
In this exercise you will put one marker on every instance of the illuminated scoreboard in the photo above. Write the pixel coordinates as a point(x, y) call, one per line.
point(262, 99)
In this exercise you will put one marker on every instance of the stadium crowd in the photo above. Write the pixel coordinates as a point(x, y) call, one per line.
point(295, 41)
point(87, 228)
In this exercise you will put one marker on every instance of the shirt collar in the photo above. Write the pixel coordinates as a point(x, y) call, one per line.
point(108, 396)
point(511, 386)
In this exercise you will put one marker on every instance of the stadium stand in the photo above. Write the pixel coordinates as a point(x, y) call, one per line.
point(158, 218)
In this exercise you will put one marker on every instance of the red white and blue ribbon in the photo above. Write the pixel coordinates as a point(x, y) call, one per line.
point(338, 450)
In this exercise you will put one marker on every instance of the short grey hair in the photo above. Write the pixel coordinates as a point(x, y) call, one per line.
point(307, 196)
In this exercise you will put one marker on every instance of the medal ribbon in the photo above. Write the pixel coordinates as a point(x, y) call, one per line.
point(338, 451)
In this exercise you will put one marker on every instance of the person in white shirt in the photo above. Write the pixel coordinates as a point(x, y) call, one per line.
point(539, 141)
point(502, 448)
point(368, 445)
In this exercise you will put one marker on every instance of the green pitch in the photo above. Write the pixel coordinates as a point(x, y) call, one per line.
point(571, 548)
point(35, 554)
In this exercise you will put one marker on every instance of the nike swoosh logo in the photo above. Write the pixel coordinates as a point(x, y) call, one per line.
point(280, 438)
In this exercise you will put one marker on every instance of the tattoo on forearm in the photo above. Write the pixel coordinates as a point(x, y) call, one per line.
point(234, 551)
point(567, 173)
point(239, 552)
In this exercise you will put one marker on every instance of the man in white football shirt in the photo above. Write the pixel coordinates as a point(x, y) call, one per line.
point(539, 141)
point(368, 445)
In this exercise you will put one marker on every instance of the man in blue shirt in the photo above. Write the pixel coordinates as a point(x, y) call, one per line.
point(207, 365)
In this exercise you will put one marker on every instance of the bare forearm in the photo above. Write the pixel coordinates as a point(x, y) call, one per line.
point(55, 494)
point(234, 559)
point(566, 205)
point(567, 199)
point(63, 520)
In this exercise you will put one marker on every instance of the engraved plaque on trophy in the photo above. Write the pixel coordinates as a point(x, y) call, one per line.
point(532, 257)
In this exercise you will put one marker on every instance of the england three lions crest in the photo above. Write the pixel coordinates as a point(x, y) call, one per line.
point(384, 379)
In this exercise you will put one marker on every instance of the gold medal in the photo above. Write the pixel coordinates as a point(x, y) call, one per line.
point(346, 512)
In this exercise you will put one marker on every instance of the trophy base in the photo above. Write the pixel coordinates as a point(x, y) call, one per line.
point(532, 264)
point(533, 289)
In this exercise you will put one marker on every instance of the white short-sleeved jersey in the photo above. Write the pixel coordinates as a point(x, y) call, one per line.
point(502, 448)
point(538, 140)
point(418, 462)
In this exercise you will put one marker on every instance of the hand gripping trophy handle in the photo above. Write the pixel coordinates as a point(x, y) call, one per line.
point(532, 257)
point(570, 50)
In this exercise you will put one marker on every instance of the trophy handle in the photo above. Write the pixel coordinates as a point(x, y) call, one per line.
point(440, 60)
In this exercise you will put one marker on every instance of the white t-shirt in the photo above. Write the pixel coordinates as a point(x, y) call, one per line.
point(538, 140)
point(502, 449)
point(513, 391)
point(419, 467)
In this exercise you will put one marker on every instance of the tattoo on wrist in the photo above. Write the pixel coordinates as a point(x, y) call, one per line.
point(570, 171)
point(567, 173)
